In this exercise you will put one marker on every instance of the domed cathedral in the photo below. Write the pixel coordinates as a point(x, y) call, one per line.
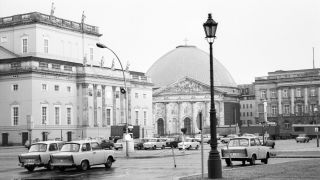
point(182, 92)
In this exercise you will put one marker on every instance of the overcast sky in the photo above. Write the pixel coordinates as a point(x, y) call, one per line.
point(254, 37)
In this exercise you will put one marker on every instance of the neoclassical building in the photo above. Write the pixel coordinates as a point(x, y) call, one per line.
point(182, 91)
point(55, 83)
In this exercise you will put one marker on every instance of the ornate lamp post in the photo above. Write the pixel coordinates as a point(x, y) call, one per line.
point(126, 93)
point(214, 161)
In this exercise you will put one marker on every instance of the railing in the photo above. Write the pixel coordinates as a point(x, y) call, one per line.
point(47, 19)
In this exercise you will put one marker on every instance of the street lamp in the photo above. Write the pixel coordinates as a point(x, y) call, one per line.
point(125, 89)
point(214, 161)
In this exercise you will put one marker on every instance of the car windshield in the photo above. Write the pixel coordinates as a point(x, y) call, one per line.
point(239, 142)
point(152, 140)
point(40, 147)
point(70, 147)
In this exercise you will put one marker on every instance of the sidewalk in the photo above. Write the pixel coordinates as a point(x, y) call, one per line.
point(145, 154)
point(305, 169)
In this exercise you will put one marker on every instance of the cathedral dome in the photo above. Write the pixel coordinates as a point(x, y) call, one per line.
point(188, 61)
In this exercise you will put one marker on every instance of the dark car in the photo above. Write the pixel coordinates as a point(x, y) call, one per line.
point(172, 142)
point(138, 143)
point(270, 143)
point(107, 144)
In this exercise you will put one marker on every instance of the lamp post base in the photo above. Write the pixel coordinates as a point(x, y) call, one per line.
point(214, 165)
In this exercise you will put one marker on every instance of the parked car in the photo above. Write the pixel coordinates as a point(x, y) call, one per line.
point(82, 154)
point(227, 139)
point(155, 143)
point(189, 143)
point(245, 149)
point(172, 142)
point(39, 155)
point(206, 138)
point(138, 143)
point(107, 144)
point(302, 138)
point(118, 144)
point(266, 142)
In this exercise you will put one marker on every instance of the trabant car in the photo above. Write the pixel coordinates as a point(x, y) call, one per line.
point(302, 138)
point(82, 154)
point(245, 149)
point(189, 143)
point(39, 155)
point(118, 144)
point(154, 143)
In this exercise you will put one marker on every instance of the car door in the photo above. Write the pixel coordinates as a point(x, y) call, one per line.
point(98, 153)
point(87, 153)
point(259, 148)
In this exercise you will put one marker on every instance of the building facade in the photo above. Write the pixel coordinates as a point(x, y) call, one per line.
point(291, 99)
point(248, 107)
point(55, 84)
point(182, 93)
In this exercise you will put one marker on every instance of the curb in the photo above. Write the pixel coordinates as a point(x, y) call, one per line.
point(149, 157)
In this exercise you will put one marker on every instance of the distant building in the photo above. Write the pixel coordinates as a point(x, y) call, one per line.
point(248, 106)
point(182, 93)
point(292, 99)
point(55, 85)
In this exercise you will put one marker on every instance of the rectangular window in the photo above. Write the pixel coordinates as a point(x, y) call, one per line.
point(56, 87)
point(3, 39)
point(44, 87)
point(43, 65)
point(313, 92)
point(46, 45)
point(136, 95)
point(24, 45)
point(68, 88)
point(56, 66)
point(286, 109)
point(274, 110)
point(285, 93)
point(67, 68)
point(145, 117)
point(57, 115)
point(251, 114)
point(15, 87)
point(69, 115)
point(91, 54)
point(244, 114)
point(15, 115)
point(273, 94)
point(299, 109)
point(44, 115)
point(298, 92)
point(137, 117)
point(263, 94)
point(108, 116)
point(16, 65)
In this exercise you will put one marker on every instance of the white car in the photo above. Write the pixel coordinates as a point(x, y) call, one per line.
point(82, 154)
point(227, 139)
point(245, 149)
point(155, 143)
point(39, 155)
point(119, 144)
point(189, 143)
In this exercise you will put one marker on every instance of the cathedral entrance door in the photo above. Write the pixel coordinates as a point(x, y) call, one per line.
point(160, 125)
point(187, 124)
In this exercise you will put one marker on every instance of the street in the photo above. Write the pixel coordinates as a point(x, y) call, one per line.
point(135, 168)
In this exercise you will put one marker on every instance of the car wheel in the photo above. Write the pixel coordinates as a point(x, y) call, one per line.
point(189, 147)
point(197, 147)
point(116, 148)
point(266, 159)
point(84, 165)
point(253, 160)
point(228, 162)
point(273, 146)
point(30, 168)
point(243, 163)
point(154, 147)
point(163, 147)
point(49, 166)
point(180, 149)
point(108, 164)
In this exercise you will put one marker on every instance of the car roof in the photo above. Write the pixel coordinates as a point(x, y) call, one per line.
point(47, 142)
point(82, 141)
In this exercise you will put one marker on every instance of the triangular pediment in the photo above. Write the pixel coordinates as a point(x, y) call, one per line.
point(6, 54)
point(185, 85)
